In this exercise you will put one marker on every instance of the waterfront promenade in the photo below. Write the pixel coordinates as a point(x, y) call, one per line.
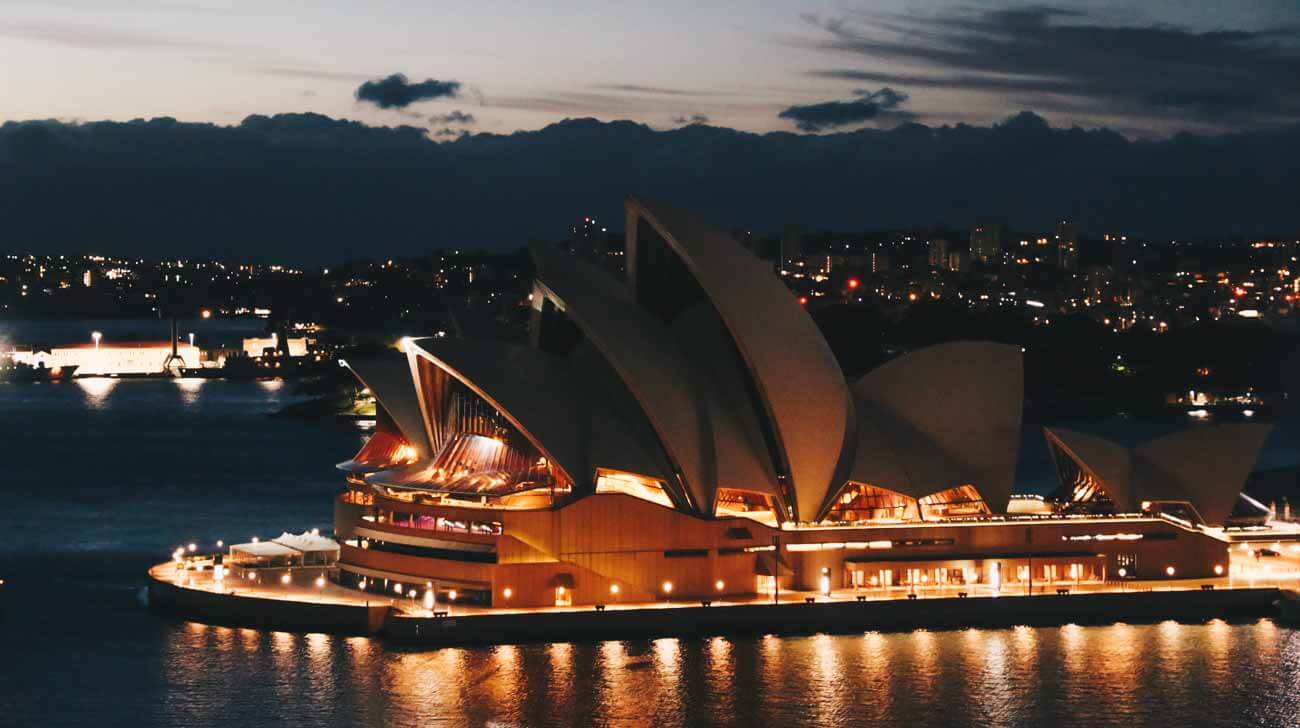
point(311, 603)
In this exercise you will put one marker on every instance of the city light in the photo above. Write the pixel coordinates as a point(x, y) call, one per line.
point(668, 587)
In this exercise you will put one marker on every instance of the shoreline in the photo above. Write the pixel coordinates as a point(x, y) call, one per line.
point(489, 627)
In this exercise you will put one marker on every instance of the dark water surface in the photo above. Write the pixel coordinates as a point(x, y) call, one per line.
point(103, 479)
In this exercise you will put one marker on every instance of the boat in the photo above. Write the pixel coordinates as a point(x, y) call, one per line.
point(16, 371)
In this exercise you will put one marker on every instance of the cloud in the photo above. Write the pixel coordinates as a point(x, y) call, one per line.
point(1068, 61)
point(305, 188)
point(873, 106)
point(397, 92)
point(453, 117)
point(653, 90)
point(98, 37)
point(685, 120)
point(311, 74)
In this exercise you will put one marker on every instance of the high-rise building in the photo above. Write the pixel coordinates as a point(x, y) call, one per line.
point(1067, 245)
point(986, 241)
point(938, 253)
point(957, 261)
point(587, 239)
point(878, 261)
point(791, 244)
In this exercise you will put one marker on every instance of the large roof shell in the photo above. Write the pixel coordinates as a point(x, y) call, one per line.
point(961, 406)
point(793, 369)
point(1109, 463)
point(389, 380)
point(646, 358)
point(1205, 466)
point(540, 396)
point(1209, 465)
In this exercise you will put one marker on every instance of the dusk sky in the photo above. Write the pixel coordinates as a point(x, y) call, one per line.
point(1145, 71)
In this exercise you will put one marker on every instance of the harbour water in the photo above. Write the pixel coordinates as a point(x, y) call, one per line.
point(103, 478)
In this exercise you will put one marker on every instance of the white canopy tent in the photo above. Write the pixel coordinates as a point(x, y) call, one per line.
point(263, 554)
point(315, 549)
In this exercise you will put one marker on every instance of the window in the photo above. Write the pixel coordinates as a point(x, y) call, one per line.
point(960, 502)
point(862, 502)
point(613, 481)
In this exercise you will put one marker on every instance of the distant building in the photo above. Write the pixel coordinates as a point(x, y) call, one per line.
point(986, 241)
point(117, 358)
point(958, 261)
point(1067, 245)
point(258, 346)
point(878, 261)
point(587, 239)
point(791, 244)
point(938, 253)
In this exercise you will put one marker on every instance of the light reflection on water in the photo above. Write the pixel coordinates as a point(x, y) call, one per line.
point(1090, 675)
point(96, 390)
point(77, 648)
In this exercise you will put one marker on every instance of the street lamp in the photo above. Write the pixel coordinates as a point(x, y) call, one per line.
point(1122, 573)
point(96, 336)
point(191, 339)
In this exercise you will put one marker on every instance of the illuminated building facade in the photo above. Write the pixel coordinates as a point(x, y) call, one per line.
point(687, 433)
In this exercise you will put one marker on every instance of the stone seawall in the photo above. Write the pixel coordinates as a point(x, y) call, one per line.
point(236, 610)
point(832, 617)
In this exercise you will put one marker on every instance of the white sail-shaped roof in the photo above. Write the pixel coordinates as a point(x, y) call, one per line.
point(1110, 464)
point(540, 396)
point(1206, 466)
point(389, 380)
point(645, 356)
point(952, 413)
point(794, 373)
point(1209, 465)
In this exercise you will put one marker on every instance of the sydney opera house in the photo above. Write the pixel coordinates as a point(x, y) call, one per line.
point(686, 433)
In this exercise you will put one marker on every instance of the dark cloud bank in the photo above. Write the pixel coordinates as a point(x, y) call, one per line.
point(312, 189)
point(1072, 62)
point(868, 106)
point(397, 91)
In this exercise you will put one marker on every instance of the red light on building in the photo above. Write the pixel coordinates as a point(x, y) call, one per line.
point(803, 300)
point(853, 284)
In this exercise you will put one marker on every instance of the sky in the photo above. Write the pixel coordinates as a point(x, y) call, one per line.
point(1144, 69)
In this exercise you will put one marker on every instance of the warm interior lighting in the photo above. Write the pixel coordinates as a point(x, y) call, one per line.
point(613, 481)
point(719, 585)
point(452, 595)
point(960, 502)
point(613, 589)
point(507, 592)
point(1169, 570)
point(320, 582)
point(285, 579)
point(1218, 569)
point(668, 587)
